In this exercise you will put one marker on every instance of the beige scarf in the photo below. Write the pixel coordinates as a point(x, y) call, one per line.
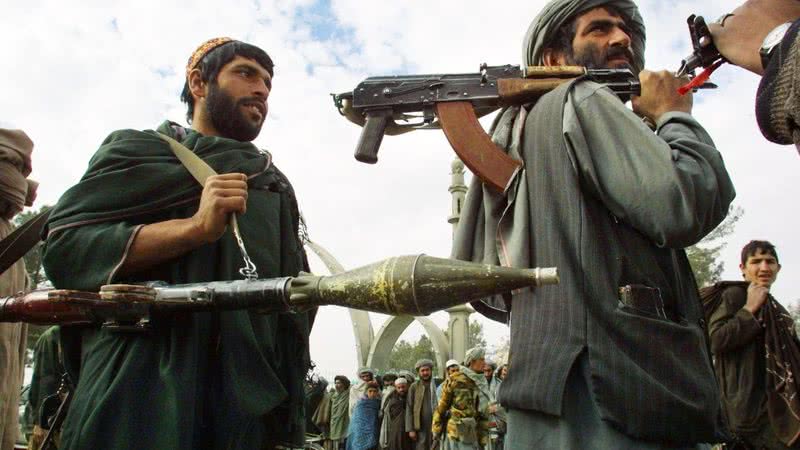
point(16, 191)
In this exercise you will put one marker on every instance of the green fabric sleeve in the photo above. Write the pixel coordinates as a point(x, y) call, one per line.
point(47, 368)
point(101, 249)
point(732, 327)
point(672, 187)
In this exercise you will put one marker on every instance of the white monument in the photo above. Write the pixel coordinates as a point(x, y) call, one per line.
point(373, 350)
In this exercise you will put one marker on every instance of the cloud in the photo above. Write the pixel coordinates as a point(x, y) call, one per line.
point(78, 70)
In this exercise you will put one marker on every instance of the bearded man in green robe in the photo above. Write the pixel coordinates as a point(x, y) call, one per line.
point(231, 380)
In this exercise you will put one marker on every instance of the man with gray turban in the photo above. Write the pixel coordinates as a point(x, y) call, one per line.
point(614, 356)
point(420, 403)
point(16, 192)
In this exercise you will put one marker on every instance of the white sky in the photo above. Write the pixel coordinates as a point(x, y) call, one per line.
point(75, 71)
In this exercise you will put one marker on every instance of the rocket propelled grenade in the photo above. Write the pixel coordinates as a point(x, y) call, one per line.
point(414, 285)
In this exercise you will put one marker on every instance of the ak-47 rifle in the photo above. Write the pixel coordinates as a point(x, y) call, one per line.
point(457, 100)
point(414, 285)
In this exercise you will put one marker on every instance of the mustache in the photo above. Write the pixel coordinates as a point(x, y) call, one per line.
point(245, 100)
point(613, 52)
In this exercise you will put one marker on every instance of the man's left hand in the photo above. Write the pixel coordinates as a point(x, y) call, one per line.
point(740, 37)
point(660, 95)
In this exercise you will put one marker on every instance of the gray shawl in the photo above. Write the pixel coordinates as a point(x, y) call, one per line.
point(493, 228)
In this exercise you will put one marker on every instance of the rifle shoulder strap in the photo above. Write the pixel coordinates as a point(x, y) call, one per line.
point(22, 240)
point(200, 170)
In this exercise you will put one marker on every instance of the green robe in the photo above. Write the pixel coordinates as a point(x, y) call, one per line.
point(166, 389)
point(47, 369)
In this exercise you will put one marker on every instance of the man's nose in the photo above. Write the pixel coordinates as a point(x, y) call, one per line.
point(620, 37)
point(261, 90)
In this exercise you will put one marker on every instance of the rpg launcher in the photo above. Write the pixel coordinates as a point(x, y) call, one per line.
point(413, 285)
point(453, 102)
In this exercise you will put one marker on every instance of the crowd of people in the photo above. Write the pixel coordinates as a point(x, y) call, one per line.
point(624, 353)
point(401, 410)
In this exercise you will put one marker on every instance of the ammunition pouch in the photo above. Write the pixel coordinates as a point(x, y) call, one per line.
point(467, 429)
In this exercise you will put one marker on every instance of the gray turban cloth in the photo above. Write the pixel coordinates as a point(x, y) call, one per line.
point(16, 191)
point(473, 354)
point(488, 217)
point(423, 363)
point(559, 13)
point(364, 370)
point(400, 381)
point(407, 375)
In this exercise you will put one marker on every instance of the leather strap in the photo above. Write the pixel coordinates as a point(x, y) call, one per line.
point(22, 240)
point(200, 170)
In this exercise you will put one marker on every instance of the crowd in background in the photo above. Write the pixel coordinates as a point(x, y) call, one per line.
point(401, 410)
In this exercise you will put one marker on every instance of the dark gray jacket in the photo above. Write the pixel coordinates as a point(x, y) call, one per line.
point(613, 204)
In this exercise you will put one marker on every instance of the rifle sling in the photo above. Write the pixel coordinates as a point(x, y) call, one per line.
point(22, 240)
point(200, 170)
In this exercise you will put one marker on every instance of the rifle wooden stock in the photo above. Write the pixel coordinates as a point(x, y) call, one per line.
point(554, 71)
point(471, 143)
point(525, 90)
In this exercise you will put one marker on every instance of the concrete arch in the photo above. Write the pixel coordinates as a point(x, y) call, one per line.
point(362, 326)
point(390, 332)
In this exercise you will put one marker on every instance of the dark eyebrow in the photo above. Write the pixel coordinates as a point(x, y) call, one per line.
point(254, 68)
point(607, 24)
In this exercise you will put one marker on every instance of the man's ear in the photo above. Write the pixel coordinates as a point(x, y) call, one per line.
point(552, 57)
point(196, 84)
point(741, 268)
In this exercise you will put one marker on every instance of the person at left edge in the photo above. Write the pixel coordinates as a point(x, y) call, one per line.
point(16, 192)
point(231, 380)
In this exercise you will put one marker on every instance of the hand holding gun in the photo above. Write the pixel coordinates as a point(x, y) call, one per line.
point(704, 53)
point(405, 285)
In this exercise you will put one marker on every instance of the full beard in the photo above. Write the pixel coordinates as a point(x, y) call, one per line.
point(592, 57)
point(228, 116)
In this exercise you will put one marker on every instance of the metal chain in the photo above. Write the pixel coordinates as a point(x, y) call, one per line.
point(249, 270)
